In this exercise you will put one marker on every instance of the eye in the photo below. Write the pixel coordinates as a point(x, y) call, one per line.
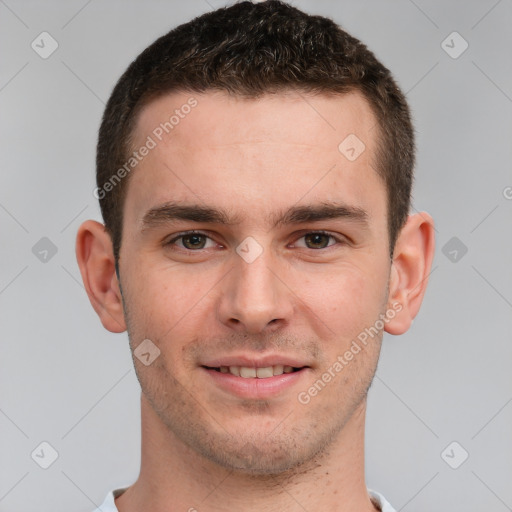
point(317, 240)
point(191, 241)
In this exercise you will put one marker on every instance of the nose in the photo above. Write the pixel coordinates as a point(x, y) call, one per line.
point(254, 297)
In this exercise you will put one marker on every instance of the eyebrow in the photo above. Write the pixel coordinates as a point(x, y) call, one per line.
point(172, 212)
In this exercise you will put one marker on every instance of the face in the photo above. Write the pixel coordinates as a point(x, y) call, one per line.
point(254, 254)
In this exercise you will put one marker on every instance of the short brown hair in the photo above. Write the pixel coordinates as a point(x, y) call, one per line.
point(250, 49)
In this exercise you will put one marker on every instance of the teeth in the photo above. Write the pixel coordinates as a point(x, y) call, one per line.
point(260, 373)
point(278, 369)
point(247, 373)
point(263, 373)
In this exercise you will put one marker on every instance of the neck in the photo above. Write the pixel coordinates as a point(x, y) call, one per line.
point(175, 477)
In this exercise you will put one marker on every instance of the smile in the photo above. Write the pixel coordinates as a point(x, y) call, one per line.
point(256, 373)
point(261, 382)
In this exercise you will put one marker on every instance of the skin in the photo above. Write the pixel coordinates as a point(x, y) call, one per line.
point(305, 297)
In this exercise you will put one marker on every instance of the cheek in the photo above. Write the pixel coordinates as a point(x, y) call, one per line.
point(347, 298)
point(167, 305)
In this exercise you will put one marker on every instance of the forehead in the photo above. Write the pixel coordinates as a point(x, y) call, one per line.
point(252, 154)
point(210, 117)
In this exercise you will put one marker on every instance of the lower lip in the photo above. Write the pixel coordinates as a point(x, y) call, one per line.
point(254, 388)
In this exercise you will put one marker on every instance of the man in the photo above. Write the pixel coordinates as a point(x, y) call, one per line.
point(254, 172)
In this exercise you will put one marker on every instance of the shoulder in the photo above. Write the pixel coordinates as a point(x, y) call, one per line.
point(381, 502)
point(109, 504)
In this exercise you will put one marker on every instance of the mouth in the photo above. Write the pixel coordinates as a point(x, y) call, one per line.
point(256, 379)
point(251, 372)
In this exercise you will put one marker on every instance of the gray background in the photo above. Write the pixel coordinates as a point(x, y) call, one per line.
point(67, 381)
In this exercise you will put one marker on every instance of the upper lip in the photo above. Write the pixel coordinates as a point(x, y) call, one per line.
point(254, 361)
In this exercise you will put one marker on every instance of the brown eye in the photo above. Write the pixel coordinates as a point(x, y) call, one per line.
point(191, 241)
point(194, 241)
point(317, 240)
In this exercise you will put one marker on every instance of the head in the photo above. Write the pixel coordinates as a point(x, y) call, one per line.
point(250, 50)
point(288, 149)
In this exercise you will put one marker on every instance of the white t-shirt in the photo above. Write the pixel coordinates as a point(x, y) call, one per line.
point(109, 505)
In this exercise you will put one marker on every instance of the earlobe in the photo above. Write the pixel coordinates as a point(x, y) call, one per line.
point(412, 261)
point(95, 258)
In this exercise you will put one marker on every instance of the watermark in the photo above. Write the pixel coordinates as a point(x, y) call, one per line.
point(44, 455)
point(454, 249)
point(157, 135)
point(146, 352)
point(454, 455)
point(249, 249)
point(304, 397)
point(44, 250)
point(351, 147)
point(44, 45)
point(454, 45)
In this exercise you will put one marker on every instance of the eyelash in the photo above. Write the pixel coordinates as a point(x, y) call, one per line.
point(318, 232)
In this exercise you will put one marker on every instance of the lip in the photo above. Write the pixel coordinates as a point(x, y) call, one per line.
point(255, 361)
point(255, 388)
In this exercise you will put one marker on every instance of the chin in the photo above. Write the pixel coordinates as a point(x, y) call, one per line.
point(253, 461)
point(264, 453)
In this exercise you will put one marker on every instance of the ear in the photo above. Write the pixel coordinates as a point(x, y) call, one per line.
point(95, 256)
point(410, 268)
